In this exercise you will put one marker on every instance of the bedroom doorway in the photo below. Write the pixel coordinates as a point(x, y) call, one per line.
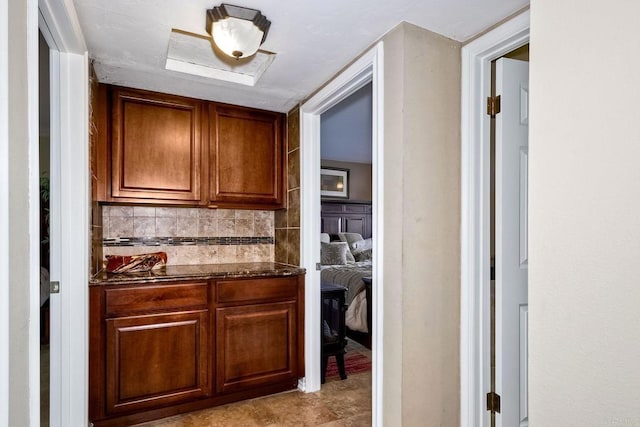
point(367, 70)
point(346, 230)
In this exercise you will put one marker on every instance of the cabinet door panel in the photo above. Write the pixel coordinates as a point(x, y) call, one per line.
point(156, 360)
point(246, 156)
point(256, 345)
point(156, 151)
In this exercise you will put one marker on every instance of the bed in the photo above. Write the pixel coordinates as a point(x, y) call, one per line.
point(355, 276)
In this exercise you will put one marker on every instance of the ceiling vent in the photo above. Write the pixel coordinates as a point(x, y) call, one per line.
point(195, 54)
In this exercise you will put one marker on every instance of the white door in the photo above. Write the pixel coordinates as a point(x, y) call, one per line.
point(512, 126)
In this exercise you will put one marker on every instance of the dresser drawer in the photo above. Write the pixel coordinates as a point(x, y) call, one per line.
point(130, 300)
point(256, 290)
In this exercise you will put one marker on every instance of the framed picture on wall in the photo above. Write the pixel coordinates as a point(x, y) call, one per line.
point(334, 182)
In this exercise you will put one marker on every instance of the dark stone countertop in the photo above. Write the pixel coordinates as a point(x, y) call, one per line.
point(199, 272)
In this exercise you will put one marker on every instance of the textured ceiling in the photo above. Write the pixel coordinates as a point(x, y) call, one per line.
point(128, 40)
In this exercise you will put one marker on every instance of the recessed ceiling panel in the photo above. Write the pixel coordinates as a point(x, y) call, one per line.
point(195, 54)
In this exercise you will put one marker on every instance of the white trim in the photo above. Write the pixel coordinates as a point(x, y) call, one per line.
point(55, 214)
point(367, 68)
point(4, 213)
point(69, 75)
point(63, 24)
point(475, 222)
point(74, 250)
point(33, 123)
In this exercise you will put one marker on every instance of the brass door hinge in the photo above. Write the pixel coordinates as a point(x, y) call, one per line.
point(493, 402)
point(493, 105)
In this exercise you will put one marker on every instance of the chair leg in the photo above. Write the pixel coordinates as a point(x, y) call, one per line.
point(340, 360)
point(323, 368)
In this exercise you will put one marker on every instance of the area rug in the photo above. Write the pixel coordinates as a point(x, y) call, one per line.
point(354, 363)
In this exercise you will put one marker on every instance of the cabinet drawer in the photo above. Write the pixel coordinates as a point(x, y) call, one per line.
point(256, 290)
point(155, 298)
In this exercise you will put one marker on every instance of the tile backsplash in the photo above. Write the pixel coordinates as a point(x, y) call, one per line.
point(189, 235)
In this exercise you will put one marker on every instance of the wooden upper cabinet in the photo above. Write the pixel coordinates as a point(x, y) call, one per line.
point(156, 149)
point(245, 157)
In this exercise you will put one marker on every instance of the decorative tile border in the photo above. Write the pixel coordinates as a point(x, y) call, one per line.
point(186, 241)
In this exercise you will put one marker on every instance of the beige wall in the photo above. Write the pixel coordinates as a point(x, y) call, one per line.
point(584, 285)
point(18, 218)
point(422, 228)
point(359, 178)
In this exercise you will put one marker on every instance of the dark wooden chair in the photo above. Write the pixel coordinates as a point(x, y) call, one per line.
point(333, 328)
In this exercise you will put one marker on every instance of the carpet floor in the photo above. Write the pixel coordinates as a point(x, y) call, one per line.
point(354, 363)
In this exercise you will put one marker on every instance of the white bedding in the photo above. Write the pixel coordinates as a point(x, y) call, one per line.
point(350, 276)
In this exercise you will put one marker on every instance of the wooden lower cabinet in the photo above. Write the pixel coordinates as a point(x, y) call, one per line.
point(157, 350)
point(157, 360)
point(256, 345)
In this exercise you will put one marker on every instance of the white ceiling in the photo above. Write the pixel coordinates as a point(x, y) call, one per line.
point(128, 40)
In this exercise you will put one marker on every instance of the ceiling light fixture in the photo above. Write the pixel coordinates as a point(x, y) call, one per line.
point(237, 31)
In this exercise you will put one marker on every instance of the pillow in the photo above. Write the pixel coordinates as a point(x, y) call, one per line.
point(361, 250)
point(350, 238)
point(334, 253)
point(363, 254)
point(362, 245)
point(324, 237)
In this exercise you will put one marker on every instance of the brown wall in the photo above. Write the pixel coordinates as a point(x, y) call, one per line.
point(359, 178)
point(287, 221)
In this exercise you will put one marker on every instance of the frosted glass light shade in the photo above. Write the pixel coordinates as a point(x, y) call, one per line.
point(237, 38)
point(237, 31)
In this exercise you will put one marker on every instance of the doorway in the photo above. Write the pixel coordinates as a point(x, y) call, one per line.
point(368, 68)
point(69, 194)
point(476, 325)
point(346, 226)
point(507, 400)
point(45, 193)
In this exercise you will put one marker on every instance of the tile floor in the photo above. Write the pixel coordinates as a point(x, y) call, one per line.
point(338, 403)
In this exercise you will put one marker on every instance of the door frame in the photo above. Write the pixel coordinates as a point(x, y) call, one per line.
point(367, 68)
point(69, 79)
point(475, 303)
point(4, 212)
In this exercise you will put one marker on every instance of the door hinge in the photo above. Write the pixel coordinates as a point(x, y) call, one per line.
point(493, 105)
point(54, 287)
point(493, 402)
